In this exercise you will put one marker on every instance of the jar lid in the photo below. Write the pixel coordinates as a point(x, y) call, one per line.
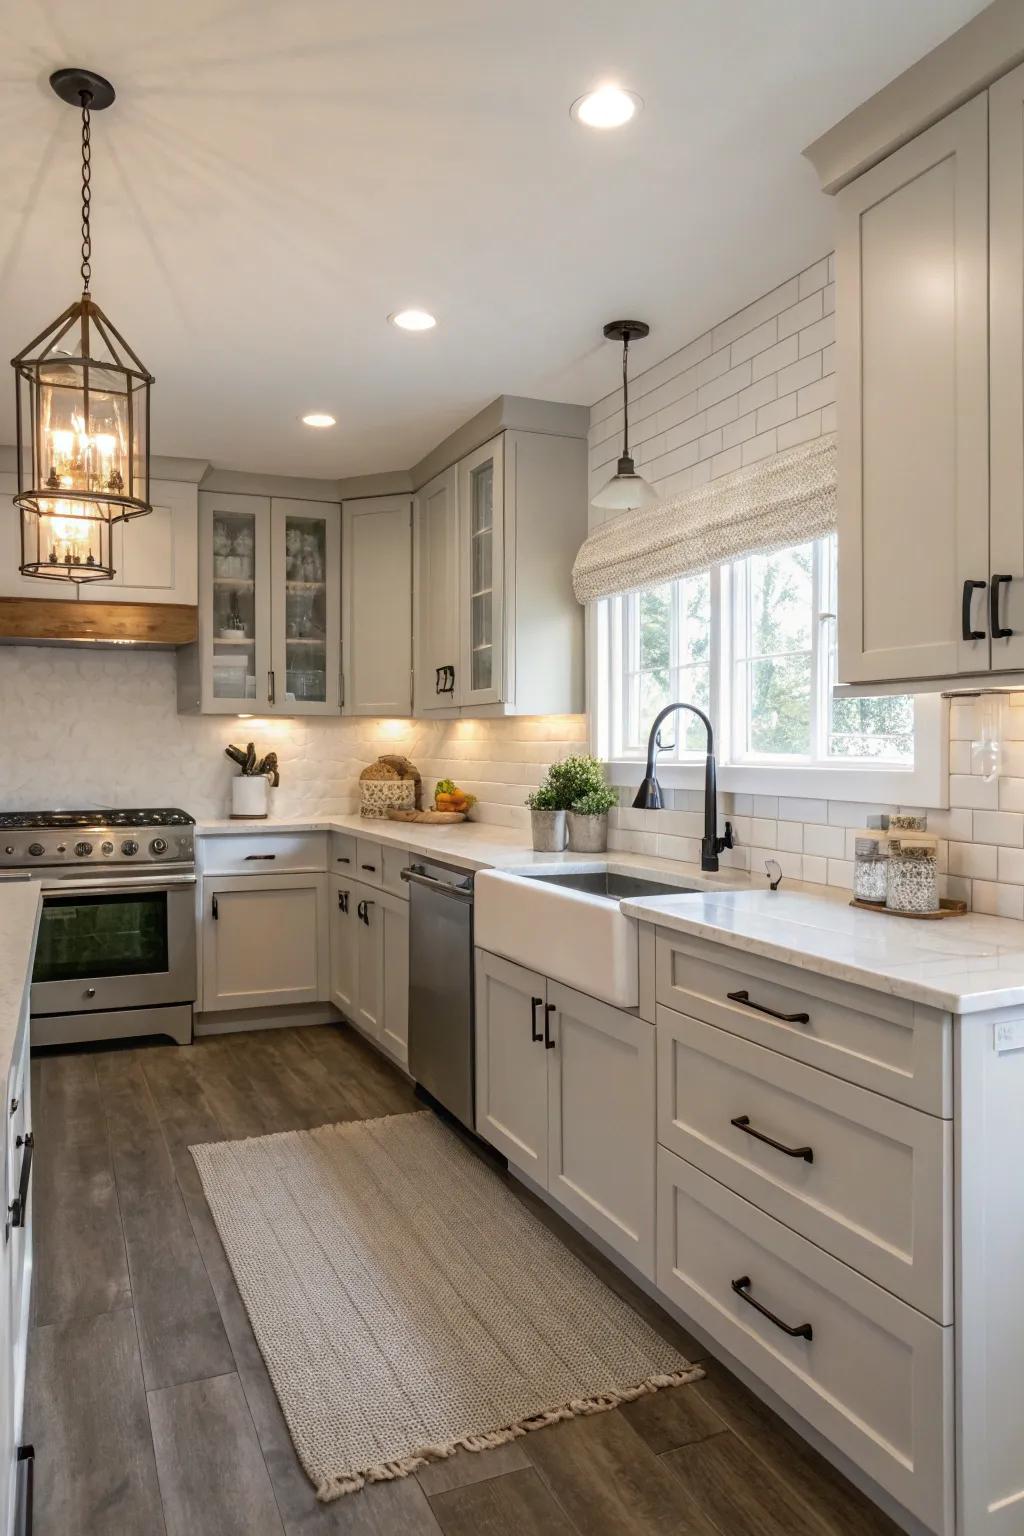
point(904, 822)
point(870, 846)
point(914, 842)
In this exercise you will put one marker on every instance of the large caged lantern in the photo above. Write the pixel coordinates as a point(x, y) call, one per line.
point(82, 403)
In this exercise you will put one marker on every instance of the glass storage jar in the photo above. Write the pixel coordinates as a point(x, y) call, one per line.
point(912, 874)
point(870, 858)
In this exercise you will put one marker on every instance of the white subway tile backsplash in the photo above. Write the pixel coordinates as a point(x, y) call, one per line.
point(814, 278)
point(814, 395)
point(800, 315)
point(799, 375)
point(1003, 827)
point(802, 430)
point(738, 431)
point(757, 340)
point(776, 413)
point(974, 861)
point(760, 447)
point(997, 900)
point(828, 842)
point(1010, 865)
point(799, 809)
point(972, 792)
point(790, 836)
point(774, 358)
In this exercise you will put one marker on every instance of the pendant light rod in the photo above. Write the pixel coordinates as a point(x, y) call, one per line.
point(626, 489)
point(626, 331)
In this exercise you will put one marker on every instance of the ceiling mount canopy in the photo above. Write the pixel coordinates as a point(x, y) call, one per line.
point(626, 491)
point(82, 403)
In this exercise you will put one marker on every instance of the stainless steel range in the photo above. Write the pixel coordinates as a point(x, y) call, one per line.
point(117, 950)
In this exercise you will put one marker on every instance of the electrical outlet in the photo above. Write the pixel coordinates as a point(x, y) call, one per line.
point(1009, 1035)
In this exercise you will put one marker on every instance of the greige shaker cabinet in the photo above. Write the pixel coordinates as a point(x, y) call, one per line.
point(497, 630)
point(930, 311)
point(376, 606)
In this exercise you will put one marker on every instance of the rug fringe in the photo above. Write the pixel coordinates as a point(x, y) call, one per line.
point(577, 1407)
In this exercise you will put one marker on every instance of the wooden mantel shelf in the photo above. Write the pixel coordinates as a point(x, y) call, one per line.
point(50, 621)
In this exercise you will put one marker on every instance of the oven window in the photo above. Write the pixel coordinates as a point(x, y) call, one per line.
point(82, 937)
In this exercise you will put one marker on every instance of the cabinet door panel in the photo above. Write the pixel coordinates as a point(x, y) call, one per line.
point(343, 946)
point(267, 944)
point(437, 594)
point(369, 1011)
point(913, 357)
point(481, 581)
point(376, 570)
point(601, 1126)
point(395, 1014)
point(511, 1066)
point(305, 552)
point(234, 608)
point(1006, 257)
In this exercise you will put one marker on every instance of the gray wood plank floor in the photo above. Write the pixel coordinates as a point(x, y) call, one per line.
point(150, 1407)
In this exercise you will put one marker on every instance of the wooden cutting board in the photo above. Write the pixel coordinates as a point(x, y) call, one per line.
point(436, 818)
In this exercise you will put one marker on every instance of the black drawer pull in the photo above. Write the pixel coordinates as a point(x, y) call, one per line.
point(997, 630)
point(742, 1123)
point(19, 1204)
point(371, 867)
point(745, 998)
point(343, 858)
point(536, 1035)
point(549, 1009)
point(742, 1288)
point(259, 857)
point(343, 902)
point(970, 587)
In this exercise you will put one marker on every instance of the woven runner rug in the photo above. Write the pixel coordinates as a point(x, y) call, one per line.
point(408, 1305)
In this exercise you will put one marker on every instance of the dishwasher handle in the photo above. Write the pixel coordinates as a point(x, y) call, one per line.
point(456, 892)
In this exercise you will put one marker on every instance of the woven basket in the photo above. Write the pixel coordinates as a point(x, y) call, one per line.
point(392, 783)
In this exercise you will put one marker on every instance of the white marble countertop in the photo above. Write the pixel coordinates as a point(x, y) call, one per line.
point(960, 964)
point(19, 918)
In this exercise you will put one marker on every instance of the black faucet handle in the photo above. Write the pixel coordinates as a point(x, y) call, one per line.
point(727, 841)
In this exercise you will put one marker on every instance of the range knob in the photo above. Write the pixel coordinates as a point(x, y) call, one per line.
point(129, 846)
point(106, 847)
point(36, 850)
point(83, 850)
point(158, 845)
point(9, 848)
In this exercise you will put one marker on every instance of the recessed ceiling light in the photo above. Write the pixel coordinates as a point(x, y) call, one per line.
point(413, 320)
point(607, 107)
point(318, 419)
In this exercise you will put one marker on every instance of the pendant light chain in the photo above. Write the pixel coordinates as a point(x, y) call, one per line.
point(625, 397)
point(86, 268)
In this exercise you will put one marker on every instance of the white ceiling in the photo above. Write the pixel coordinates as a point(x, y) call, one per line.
point(277, 175)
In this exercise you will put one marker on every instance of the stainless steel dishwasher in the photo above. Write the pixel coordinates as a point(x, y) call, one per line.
point(441, 1044)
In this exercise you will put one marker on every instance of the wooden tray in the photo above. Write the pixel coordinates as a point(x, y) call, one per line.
point(435, 818)
point(947, 908)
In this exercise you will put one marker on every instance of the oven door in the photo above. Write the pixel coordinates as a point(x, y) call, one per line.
point(118, 944)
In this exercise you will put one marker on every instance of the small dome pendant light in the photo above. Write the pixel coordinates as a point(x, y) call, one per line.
point(82, 411)
point(626, 491)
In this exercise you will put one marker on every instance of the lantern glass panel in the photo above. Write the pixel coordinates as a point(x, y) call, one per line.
point(67, 542)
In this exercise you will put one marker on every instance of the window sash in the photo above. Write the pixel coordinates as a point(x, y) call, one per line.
point(731, 657)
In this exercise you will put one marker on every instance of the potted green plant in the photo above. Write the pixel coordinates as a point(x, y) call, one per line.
point(588, 819)
point(574, 788)
point(547, 819)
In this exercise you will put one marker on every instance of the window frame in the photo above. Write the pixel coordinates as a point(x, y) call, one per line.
point(924, 785)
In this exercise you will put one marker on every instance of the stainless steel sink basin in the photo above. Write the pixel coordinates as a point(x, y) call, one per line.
point(613, 887)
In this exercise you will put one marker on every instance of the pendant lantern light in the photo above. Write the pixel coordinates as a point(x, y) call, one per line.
point(82, 401)
point(626, 490)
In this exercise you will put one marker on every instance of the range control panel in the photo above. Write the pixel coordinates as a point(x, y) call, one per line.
point(96, 845)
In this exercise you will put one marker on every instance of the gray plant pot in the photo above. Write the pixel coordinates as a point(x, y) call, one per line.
point(548, 831)
point(588, 834)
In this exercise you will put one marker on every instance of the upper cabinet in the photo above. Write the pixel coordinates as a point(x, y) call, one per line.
point(912, 313)
point(269, 608)
point(154, 556)
point(930, 310)
point(496, 628)
point(376, 607)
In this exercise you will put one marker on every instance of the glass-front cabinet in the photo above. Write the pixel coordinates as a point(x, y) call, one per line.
point(481, 507)
point(269, 608)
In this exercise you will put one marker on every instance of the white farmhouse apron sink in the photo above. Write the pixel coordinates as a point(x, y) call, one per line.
point(575, 936)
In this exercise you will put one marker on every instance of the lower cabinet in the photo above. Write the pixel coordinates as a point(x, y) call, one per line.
point(871, 1373)
point(370, 962)
point(15, 1273)
point(265, 941)
point(565, 1089)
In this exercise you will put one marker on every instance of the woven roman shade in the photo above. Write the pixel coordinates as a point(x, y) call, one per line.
point(779, 501)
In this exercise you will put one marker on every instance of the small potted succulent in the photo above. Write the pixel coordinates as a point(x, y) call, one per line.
point(547, 819)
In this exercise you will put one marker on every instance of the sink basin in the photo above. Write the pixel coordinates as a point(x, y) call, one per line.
point(566, 926)
point(614, 887)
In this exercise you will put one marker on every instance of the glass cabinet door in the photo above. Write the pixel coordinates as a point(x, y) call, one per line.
point(481, 505)
point(234, 594)
point(306, 588)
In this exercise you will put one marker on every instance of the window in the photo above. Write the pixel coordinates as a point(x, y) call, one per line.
point(753, 642)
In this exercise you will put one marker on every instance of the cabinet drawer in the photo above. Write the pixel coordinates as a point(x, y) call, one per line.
point(264, 853)
point(893, 1046)
point(341, 853)
point(393, 861)
point(369, 862)
point(873, 1183)
point(875, 1377)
